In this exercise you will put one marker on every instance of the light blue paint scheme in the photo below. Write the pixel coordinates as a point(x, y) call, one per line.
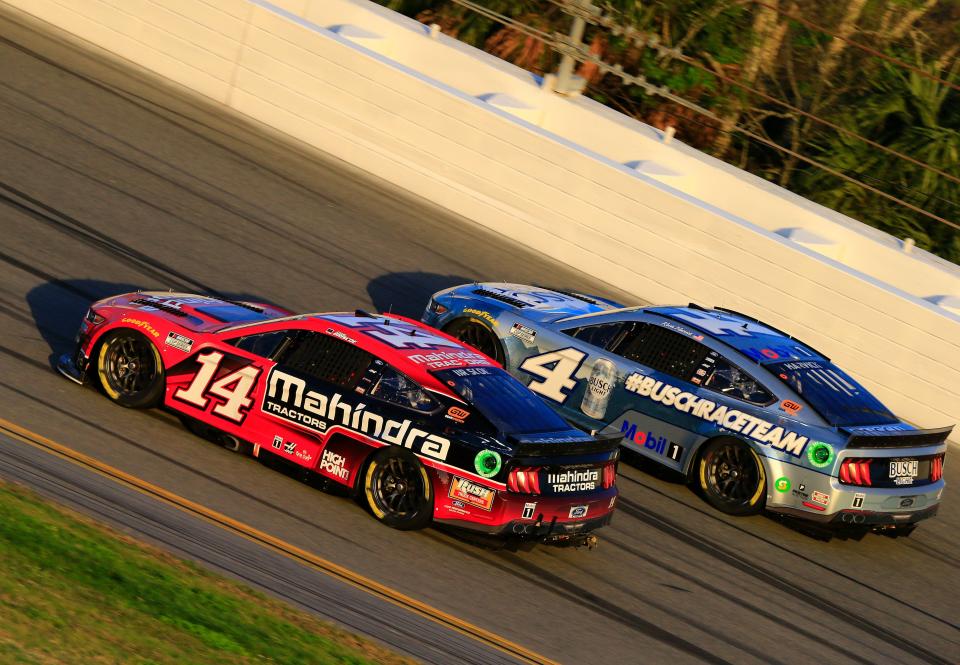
point(743, 342)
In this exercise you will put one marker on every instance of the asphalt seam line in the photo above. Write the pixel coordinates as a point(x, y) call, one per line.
point(275, 544)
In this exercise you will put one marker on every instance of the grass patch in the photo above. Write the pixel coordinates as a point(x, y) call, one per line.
point(72, 591)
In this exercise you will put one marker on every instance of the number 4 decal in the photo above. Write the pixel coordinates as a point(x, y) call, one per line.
point(556, 370)
point(235, 388)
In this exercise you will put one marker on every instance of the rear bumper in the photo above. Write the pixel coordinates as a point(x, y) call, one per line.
point(534, 530)
point(868, 518)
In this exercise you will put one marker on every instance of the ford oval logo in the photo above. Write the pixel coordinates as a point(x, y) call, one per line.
point(907, 502)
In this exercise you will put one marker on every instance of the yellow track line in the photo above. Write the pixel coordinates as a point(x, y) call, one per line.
point(277, 545)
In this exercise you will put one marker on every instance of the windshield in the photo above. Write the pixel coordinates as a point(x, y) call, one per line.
point(504, 401)
point(833, 393)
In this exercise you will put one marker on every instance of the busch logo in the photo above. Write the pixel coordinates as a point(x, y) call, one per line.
point(287, 397)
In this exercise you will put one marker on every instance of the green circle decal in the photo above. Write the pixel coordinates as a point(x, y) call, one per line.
point(820, 454)
point(487, 463)
point(782, 484)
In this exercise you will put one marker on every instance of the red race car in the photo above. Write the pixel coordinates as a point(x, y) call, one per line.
point(422, 426)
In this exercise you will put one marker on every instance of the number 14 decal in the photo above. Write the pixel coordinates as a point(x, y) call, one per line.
point(556, 370)
point(235, 388)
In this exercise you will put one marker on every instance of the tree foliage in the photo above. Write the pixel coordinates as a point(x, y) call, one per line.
point(739, 48)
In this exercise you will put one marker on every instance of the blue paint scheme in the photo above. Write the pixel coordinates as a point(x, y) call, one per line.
point(740, 341)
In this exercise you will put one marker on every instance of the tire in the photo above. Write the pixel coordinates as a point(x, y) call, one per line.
point(410, 507)
point(130, 369)
point(732, 478)
point(478, 336)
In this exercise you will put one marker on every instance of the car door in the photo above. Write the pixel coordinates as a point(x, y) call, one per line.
point(310, 391)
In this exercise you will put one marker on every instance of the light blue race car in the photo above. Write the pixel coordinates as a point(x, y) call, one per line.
point(754, 417)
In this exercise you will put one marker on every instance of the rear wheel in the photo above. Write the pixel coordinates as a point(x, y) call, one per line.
point(478, 336)
point(130, 369)
point(732, 478)
point(398, 489)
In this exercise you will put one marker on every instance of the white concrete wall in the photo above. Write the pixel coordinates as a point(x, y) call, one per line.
point(665, 238)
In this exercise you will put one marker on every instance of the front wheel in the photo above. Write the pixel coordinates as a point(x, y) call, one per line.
point(130, 369)
point(478, 336)
point(732, 478)
point(398, 489)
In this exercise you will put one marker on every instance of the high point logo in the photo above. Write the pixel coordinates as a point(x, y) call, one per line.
point(287, 397)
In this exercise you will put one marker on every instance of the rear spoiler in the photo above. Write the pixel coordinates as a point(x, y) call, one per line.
point(914, 438)
point(531, 446)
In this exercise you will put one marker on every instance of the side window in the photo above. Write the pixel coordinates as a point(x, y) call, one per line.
point(730, 380)
point(394, 387)
point(662, 350)
point(264, 344)
point(602, 334)
point(325, 358)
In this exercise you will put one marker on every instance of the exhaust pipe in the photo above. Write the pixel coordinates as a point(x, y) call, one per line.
point(231, 443)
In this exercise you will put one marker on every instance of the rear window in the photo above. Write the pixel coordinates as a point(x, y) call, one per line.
point(505, 402)
point(834, 394)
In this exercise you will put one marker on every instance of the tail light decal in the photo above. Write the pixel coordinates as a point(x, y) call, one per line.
point(936, 468)
point(524, 480)
point(855, 472)
point(609, 475)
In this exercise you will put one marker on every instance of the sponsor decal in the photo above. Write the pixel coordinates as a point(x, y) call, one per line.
point(820, 497)
point(613, 500)
point(303, 455)
point(801, 487)
point(481, 314)
point(782, 484)
point(577, 512)
point(574, 480)
point(906, 502)
point(769, 353)
point(674, 451)
point(334, 465)
point(441, 359)
point(287, 397)
point(686, 402)
point(341, 335)
point(820, 454)
point(903, 471)
point(470, 492)
point(277, 441)
point(140, 323)
point(648, 440)
point(528, 511)
point(487, 463)
point(523, 333)
point(791, 407)
point(289, 447)
point(858, 499)
point(775, 352)
point(179, 342)
point(697, 380)
point(456, 414)
point(398, 334)
point(799, 493)
point(680, 329)
point(813, 506)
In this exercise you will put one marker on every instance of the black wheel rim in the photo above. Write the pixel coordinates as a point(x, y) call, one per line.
point(477, 337)
point(732, 474)
point(398, 488)
point(130, 365)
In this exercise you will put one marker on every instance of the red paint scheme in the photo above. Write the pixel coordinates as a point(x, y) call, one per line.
point(339, 453)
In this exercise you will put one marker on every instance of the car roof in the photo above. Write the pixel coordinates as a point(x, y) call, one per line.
point(751, 337)
point(410, 346)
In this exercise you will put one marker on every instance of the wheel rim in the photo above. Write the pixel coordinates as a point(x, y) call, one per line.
point(398, 488)
point(478, 337)
point(129, 366)
point(732, 475)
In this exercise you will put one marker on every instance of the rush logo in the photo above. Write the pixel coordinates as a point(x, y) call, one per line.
point(287, 397)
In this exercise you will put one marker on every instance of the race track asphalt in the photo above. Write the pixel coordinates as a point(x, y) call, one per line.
point(111, 180)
